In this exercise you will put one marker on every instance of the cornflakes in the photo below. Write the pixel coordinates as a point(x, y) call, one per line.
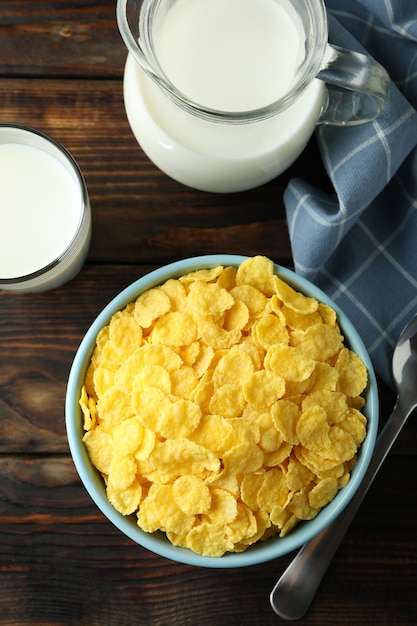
point(223, 408)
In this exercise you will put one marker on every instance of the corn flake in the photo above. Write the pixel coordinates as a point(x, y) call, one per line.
point(290, 363)
point(208, 299)
point(125, 335)
point(320, 341)
point(122, 471)
point(353, 376)
point(191, 494)
point(294, 300)
point(171, 517)
point(285, 414)
point(174, 329)
point(313, 429)
point(208, 539)
point(223, 507)
point(215, 336)
point(243, 458)
point(126, 501)
point(254, 299)
point(150, 305)
point(176, 293)
point(258, 272)
point(99, 445)
point(262, 388)
point(227, 400)
point(273, 490)
point(269, 330)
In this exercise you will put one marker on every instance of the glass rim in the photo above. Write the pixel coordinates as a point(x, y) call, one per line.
point(20, 280)
point(308, 71)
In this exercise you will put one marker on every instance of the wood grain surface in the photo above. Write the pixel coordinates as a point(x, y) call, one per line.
point(61, 562)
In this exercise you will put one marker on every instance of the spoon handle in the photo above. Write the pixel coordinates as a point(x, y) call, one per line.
point(295, 590)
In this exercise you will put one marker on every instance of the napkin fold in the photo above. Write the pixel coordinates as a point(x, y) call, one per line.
point(359, 243)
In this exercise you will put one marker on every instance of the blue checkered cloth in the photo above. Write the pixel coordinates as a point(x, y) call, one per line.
point(359, 244)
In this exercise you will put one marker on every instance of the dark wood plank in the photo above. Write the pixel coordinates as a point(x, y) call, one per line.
point(39, 334)
point(68, 565)
point(60, 38)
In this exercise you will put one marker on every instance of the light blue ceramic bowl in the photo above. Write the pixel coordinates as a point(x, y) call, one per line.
point(157, 542)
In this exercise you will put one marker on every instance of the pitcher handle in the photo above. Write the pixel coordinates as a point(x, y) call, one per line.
point(357, 87)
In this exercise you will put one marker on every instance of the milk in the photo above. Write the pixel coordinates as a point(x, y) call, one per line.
point(41, 209)
point(230, 55)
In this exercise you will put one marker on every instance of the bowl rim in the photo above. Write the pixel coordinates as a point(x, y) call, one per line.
point(158, 543)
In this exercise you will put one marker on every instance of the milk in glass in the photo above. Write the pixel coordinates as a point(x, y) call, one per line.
point(41, 208)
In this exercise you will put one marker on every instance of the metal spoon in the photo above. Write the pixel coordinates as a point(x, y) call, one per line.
point(295, 590)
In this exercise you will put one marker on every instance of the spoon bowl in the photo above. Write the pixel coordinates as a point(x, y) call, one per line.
point(292, 595)
point(404, 364)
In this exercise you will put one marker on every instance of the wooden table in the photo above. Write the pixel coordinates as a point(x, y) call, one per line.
point(61, 561)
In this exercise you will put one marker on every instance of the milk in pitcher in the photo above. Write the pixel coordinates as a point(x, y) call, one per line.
point(229, 56)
